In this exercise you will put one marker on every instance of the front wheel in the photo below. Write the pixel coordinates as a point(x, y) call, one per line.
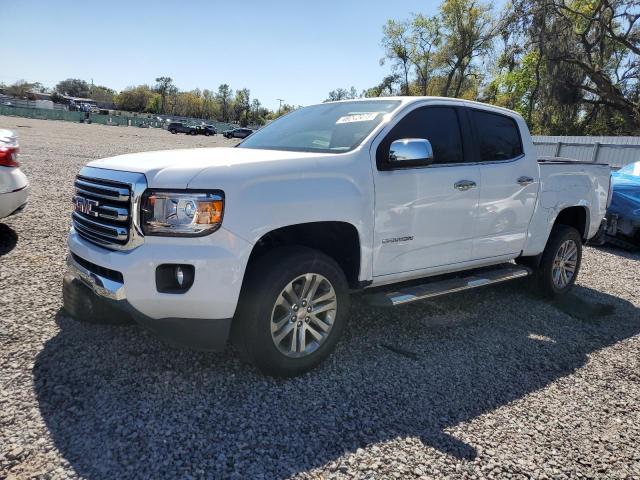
point(292, 311)
point(560, 261)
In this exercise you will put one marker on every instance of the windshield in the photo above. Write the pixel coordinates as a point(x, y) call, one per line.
point(328, 128)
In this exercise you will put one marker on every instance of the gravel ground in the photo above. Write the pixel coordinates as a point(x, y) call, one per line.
point(492, 383)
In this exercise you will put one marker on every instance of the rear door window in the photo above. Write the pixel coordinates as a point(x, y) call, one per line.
point(497, 135)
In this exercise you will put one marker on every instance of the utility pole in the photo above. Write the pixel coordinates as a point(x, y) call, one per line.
point(280, 106)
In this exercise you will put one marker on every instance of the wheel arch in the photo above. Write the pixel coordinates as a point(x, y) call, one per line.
point(576, 216)
point(337, 239)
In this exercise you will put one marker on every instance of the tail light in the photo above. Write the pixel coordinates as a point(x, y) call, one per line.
point(8, 149)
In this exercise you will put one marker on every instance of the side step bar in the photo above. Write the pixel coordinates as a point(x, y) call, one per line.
point(438, 287)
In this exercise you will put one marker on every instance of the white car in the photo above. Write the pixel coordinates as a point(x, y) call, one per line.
point(266, 241)
point(14, 186)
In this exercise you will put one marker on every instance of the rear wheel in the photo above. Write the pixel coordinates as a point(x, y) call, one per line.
point(560, 261)
point(173, 130)
point(292, 311)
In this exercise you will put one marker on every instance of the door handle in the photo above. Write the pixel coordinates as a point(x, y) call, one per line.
point(464, 185)
point(524, 180)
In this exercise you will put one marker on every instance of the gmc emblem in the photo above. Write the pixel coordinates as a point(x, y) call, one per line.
point(86, 206)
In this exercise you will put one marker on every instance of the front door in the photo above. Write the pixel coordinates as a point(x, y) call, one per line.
point(425, 214)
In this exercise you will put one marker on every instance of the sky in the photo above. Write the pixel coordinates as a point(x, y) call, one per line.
point(294, 50)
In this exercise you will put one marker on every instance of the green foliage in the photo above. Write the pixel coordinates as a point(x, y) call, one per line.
point(568, 66)
point(135, 99)
point(73, 87)
point(102, 94)
point(20, 89)
point(342, 94)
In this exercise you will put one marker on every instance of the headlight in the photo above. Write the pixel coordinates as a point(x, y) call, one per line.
point(181, 213)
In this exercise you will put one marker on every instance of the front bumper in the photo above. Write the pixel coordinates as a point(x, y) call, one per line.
point(98, 299)
point(14, 202)
point(123, 283)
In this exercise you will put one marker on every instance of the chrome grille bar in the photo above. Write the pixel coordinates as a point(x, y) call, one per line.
point(93, 188)
point(103, 205)
point(112, 232)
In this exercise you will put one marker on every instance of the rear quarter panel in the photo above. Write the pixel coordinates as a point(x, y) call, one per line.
point(564, 185)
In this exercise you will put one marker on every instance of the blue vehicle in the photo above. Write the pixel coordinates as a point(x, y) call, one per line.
point(623, 216)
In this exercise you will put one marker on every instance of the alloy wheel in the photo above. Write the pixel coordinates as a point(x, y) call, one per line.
point(564, 264)
point(303, 315)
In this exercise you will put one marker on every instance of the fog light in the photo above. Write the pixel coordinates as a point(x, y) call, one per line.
point(179, 276)
point(174, 278)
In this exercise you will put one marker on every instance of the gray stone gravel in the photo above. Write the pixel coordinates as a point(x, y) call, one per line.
point(496, 383)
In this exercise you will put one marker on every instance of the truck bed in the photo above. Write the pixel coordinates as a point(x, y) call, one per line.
point(565, 160)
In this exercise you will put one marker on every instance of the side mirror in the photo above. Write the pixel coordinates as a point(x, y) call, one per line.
point(411, 151)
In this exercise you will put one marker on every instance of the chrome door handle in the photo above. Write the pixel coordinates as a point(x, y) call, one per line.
point(464, 185)
point(524, 180)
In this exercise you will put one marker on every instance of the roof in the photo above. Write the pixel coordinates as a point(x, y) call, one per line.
point(405, 99)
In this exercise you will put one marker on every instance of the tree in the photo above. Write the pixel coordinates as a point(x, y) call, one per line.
point(164, 86)
point(73, 87)
point(224, 97)
point(241, 105)
point(425, 38)
point(258, 113)
point(20, 89)
point(342, 94)
point(385, 88)
point(602, 41)
point(571, 67)
point(469, 30)
point(395, 41)
point(135, 99)
point(210, 105)
point(102, 94)
point(283, 110)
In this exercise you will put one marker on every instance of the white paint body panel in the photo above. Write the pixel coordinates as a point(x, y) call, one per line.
point(266, 189)
point(506, 207)
point(14, 190)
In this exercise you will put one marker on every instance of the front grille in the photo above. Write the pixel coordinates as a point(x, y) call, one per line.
point(102, 211)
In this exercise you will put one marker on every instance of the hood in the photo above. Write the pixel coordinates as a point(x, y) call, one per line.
point(175, 168)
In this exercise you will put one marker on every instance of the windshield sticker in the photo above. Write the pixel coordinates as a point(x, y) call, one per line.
point(357, 117)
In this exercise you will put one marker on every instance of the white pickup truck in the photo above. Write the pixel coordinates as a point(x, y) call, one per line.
point(404, 198)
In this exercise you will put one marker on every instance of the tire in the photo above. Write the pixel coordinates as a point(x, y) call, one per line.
point(265, 304)
point(550, 280)
point(206, 134)
point(173, 131)
point(80, 303)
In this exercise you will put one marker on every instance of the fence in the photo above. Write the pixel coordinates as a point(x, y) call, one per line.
point(616, 151)
point(118, 120)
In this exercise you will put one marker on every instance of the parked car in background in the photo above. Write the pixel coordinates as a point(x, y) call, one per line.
point(402, 198)
point(206, 130)
point(181, 127)
point(623, 216)
point(14, 187)
point(238, 133)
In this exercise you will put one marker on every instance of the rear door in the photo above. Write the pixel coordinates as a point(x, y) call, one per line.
point(421, 219)
point(509, 185)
